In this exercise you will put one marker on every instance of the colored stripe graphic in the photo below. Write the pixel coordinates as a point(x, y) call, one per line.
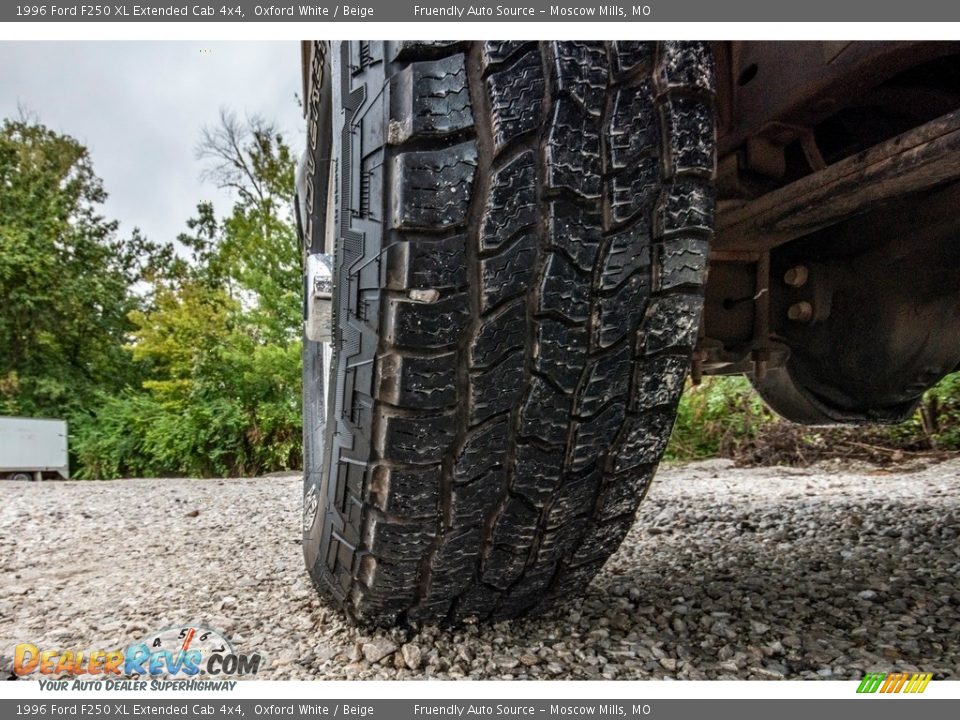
point(918, 683)
point(894, 682)
point(871, 682)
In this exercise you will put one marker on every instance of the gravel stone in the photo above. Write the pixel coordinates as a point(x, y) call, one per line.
point(819, 573)
point(377, 649)
point(355, 654)
point(412, 657)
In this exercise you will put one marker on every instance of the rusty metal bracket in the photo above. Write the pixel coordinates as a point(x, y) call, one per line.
point(761, 319)
point(920, 159)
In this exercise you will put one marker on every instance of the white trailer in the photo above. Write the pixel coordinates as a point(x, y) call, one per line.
point(33, 448)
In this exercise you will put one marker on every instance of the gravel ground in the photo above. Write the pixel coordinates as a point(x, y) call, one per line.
point(729, 573)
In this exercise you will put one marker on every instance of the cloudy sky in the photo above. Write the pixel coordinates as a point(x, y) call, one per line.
point(140, 108)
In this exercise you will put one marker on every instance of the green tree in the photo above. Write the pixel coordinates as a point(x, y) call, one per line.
point(218, 342)
point(65, 277)
point(257, 250)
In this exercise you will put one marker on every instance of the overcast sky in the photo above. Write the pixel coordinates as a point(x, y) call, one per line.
point(140, 108)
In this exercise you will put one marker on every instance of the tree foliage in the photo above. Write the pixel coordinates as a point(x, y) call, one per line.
point(165, 361)
point(65, 277)
point(257, 244)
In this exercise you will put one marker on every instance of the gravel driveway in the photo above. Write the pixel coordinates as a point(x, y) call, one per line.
point(729, 573)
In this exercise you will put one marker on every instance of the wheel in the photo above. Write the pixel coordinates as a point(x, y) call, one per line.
point(521, 238)
point(21, 476)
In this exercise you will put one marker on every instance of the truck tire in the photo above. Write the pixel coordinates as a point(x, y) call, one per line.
point(521, 238)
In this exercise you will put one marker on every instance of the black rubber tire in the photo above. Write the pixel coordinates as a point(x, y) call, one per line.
point(522, 233)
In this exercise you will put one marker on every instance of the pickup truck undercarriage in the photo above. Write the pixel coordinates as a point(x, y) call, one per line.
point(833, 271)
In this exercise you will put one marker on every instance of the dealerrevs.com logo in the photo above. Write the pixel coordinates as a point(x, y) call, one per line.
point(175, 654)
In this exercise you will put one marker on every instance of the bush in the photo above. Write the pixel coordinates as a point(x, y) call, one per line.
point(219, 401)
point(244, 421)
point(715, 418)
point(724, 417)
